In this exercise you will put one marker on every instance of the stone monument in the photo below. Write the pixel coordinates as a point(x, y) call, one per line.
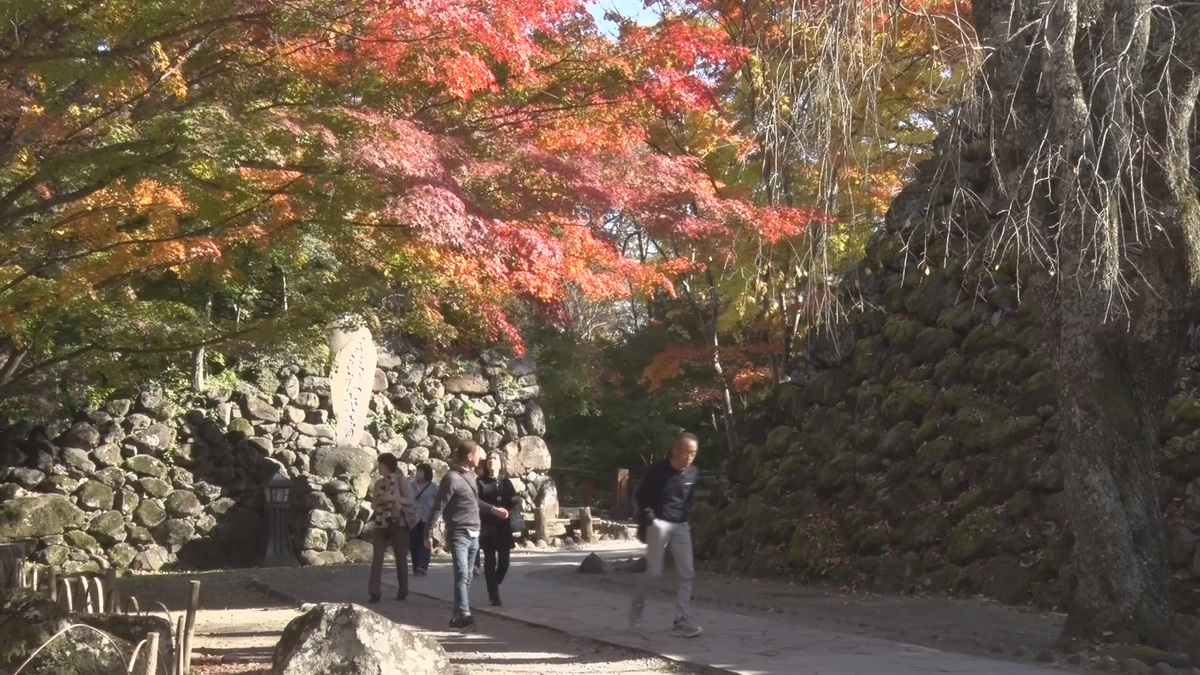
point(353, 374)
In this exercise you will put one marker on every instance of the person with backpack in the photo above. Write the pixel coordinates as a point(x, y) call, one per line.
point(496, 535)
point(425, 491)
point(664, 500)
point(395, 515)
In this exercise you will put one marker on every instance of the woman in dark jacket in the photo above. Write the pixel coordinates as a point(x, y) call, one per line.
point(495, 537)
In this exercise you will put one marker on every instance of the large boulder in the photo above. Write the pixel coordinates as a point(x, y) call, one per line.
point(28, 620)
point(338, 461)
point(41, 516)
point(346, 639)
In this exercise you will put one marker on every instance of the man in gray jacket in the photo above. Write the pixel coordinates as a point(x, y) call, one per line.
point(458, 502)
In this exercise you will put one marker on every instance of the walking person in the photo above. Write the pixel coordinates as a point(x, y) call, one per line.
point(458, 502)
point(424, 492)
point(665, 498)
point(395, 514)
point(496, 537)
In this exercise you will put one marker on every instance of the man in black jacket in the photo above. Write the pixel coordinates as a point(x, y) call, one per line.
point(665, 498)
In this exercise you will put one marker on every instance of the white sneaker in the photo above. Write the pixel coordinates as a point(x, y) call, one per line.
point(686, 629)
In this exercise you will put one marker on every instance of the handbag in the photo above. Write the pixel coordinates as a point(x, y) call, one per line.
point(516, 521)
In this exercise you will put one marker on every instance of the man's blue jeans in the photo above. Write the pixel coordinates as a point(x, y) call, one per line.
point(463, 549)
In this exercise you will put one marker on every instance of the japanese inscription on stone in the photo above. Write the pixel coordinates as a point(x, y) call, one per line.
point(350, 388)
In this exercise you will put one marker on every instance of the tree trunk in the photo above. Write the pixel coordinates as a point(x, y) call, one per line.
point(198, 376)
point(1118, 577)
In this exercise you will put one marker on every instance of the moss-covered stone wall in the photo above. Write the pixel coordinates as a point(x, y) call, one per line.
point(914, 451)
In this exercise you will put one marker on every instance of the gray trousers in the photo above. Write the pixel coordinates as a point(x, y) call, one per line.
point(678, 537)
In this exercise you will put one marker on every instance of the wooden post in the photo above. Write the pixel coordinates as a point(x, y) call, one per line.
point(621, 507)
point(114, 599)
point(585, 525)
point(178, 669)
point(85, 596)
point(99, 592)
point(33, 583)
point(64, 596)
point(152, 652)
point(52, 582)
point(190, 627)
point(541, 524)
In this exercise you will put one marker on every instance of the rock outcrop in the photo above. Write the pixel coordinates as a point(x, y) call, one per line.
point(344, 639)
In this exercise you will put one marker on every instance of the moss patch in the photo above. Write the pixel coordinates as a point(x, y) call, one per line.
point(975, 537)
point(907, 402)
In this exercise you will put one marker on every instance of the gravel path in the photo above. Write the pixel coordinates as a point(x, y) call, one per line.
point(238, 626)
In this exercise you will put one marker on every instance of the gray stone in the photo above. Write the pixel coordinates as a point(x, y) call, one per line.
point(294, 415)
point(149, 514)
point(241, 428)
point(107, 455)
point(183, 504)
point(207, 492)
point(358, 551)
point(1162, 669)
point(529, 453)
point(325, 520)
point(138, 534)
point(418, 432)
point(205, 523)
point(354, 640)
point(118, 407)
point(95, 496)
point(323, 431)
point(307, 401)
point(83, 541)
point(592, 564)
point(221, 505)
point(110, 476)
point(380, 382)
point(152, 559)
point(27, 478)
point(261, 411)
point(121, 555)
point(40, 516)
point(337, 461)
point(153, 440)
point(77, 459)
point(60, 485)
point(489, 439)
point(535, 419)
point(10, 491)
point(137, 422)
point(145, 465)
point(155, 487)
point(82, 436)
point(439, 448)
point(320, 558)
point(108, 528)
point(474, 384)
point(290, 387)
point(174, 533)
point(316, 539)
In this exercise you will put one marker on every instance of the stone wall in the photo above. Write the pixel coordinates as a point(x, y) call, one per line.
point(151, 483)
point(915, 450)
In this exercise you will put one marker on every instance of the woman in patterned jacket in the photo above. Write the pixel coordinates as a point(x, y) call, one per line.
point(395, 515)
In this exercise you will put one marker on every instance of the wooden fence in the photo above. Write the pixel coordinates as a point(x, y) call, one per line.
point(91, 594)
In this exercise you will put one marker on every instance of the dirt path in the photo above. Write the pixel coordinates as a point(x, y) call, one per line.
point(239, 624)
